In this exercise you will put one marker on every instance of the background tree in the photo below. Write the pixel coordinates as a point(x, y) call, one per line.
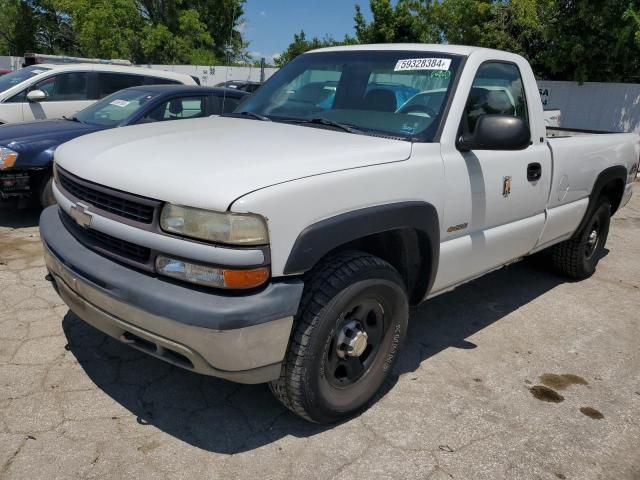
point(587, 41)
point(200, 32)
point(102, 28)
point(190, 42)
point(406, 22)
point(33, 25)
point(582, 40)
point(217, 18)
point(632, 17)
point(300, 45)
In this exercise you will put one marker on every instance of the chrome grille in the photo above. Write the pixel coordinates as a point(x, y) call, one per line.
point(139, 209)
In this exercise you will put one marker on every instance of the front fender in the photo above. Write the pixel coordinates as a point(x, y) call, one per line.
point(36, 156)
point(319, 239)
point(315, 241)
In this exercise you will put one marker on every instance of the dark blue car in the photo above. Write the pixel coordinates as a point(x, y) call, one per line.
point(26, 149)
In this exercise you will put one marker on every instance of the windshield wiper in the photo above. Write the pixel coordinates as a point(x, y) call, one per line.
point(257, 116)
point(328, 123)
point(72, 119)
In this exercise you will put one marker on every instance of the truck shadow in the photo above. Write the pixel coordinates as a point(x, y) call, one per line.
point(13, 217)
point(223, 417)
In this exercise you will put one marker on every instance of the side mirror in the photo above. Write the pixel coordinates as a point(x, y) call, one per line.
point(36, 96)
point(497, 132)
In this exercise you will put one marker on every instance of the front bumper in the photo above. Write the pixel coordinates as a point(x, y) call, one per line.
point(240, 338)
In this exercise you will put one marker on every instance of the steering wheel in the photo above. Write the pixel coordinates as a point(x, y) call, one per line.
point(417, 108)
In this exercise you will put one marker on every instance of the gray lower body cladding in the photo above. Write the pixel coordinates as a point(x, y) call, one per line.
point(238, 337)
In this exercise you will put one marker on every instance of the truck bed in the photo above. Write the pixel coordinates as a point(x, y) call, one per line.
point(560, 132)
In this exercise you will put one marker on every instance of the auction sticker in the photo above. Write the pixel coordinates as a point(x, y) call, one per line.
point(422, 64)
point(119, 103)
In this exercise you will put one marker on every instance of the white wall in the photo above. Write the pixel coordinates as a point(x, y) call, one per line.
point(208, 75)
point(594, 106)
point(12, 63)
point(212, 75)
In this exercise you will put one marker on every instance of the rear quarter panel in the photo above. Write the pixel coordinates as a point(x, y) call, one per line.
point(578, 160)
point(577, 163)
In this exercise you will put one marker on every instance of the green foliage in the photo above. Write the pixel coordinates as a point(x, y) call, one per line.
point(102, 28)
point(583, 40)
point(632, 17)
point(145, 31)
point(409, 21)
point(300, 45)
point(592, 41)
point(33, 25)
point(191, 43)
point(218, 18)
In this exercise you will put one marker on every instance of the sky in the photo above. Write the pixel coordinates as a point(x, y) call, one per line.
point(269, 25)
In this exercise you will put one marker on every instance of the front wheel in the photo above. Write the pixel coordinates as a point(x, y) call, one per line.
point(347, 336)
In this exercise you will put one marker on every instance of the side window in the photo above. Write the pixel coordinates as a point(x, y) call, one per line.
point(177, 109)
point(497, 89)
point(230, 105)
point(109, 83)
point(60, 88)
point(47, 86)
point(18, 97)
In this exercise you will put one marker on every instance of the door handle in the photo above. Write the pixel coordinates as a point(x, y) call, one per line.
point(534, 172)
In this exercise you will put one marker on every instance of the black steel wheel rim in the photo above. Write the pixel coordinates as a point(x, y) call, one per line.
point(341, 368)
point(593, 239)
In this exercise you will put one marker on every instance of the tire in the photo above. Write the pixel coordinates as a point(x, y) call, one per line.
point(328, 373)
point(578, 257)
point(45, 194)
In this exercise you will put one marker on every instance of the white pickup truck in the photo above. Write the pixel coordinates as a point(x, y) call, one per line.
point(285, 243)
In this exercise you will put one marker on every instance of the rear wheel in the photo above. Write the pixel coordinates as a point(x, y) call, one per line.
point(578, 257)
point(352, 320)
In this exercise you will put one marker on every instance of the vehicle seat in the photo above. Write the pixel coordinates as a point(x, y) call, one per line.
point(499, 102)
point(476, 106)
point(380, 100)
point(311, 93)
point(175, 108)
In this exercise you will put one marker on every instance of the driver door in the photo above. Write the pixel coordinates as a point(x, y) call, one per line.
point(495, 208)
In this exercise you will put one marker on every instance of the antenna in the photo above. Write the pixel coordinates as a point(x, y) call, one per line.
point(226, 76)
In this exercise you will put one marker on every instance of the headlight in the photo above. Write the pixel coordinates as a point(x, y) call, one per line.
point(211, 276)
point(230, 228)
point(7, 158)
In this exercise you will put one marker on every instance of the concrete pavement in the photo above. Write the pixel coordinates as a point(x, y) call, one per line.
point(519, 374)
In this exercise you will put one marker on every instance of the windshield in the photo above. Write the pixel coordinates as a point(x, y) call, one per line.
point(116, 108)
point(397, 93)
point(14, 78)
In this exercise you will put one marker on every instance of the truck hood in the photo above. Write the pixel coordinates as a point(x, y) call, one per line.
point(210, 162)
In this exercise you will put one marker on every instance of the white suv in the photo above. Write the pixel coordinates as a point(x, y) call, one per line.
point(52, 91)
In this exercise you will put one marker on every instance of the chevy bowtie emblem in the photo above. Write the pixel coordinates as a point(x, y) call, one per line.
point(80, 214)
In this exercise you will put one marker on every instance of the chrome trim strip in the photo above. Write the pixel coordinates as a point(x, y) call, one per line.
point(166, 244)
